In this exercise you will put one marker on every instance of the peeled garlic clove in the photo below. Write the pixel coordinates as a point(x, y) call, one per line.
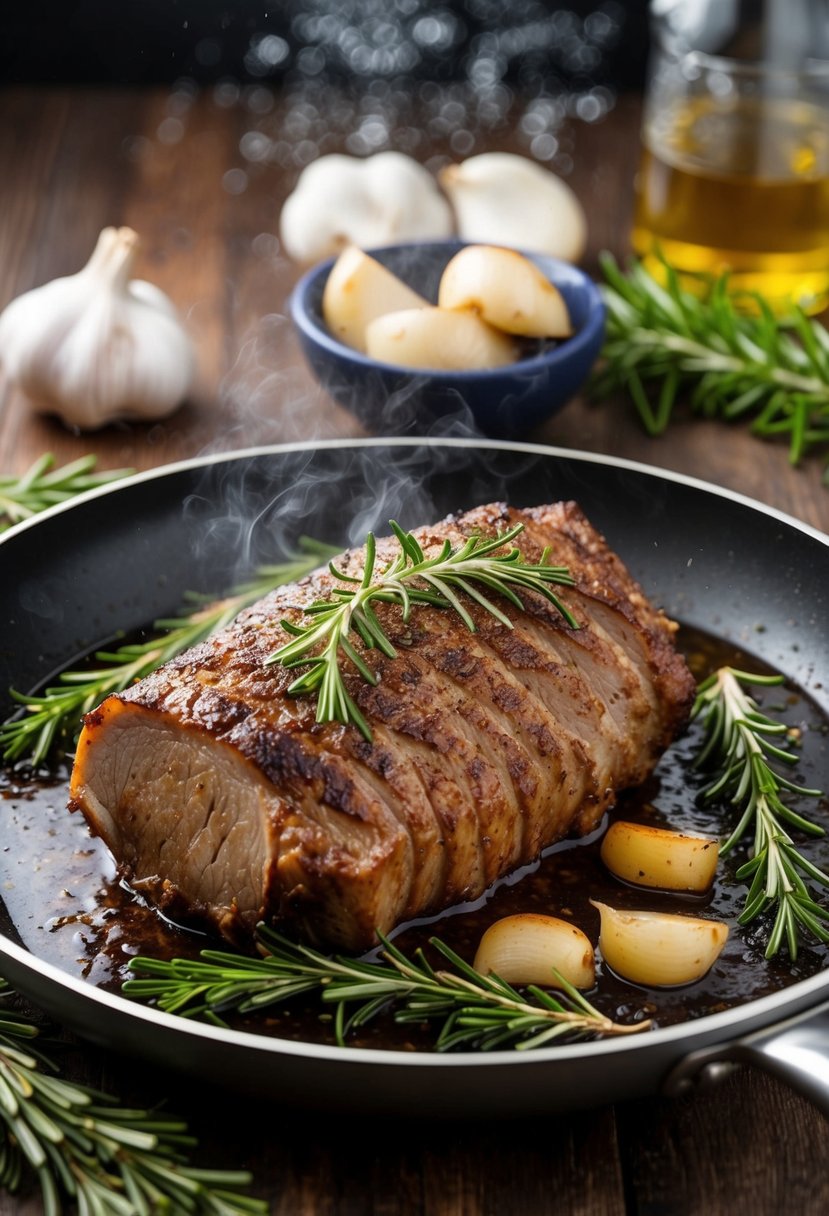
point(507, 290)
point(524, 949)
point(659, 949)
point(504, 199)
point(655, 857)
point(97, 346)
point(357, 290)
point(438, 339)
point(378, 200)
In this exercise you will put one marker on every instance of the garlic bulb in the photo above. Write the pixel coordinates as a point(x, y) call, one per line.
point(97, 346)
point(344, 200)
point(504, 199)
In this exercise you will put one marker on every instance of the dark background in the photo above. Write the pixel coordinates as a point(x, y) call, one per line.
point(532, 45)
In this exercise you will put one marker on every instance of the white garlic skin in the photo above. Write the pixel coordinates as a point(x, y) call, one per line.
point(346, 200)
point(503, 199)
point(96, 346)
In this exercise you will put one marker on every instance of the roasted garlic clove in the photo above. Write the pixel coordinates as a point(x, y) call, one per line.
point(659, 949)
point(655, 857)
point(358, 290)
point(439, 339)
point(347, 200)
point(524, 949)
point(504, 199)
point(506, 290)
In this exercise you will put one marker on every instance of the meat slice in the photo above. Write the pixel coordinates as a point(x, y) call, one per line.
point(222, 798)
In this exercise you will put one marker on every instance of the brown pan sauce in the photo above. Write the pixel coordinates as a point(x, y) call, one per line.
point(66, 905)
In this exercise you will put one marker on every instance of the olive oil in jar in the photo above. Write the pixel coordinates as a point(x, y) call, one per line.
point(739, 185)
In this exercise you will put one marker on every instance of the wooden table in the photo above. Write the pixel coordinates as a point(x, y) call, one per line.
point(73, 162)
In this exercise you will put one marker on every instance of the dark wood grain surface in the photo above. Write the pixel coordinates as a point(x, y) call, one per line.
point(72, 162)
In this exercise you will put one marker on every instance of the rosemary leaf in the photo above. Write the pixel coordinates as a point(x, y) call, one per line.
point(664, 344)
point(493, 563)
point(473, 1011)
point(82, 1147)
point(738, 749)
point(53, 717)
point(43, 486)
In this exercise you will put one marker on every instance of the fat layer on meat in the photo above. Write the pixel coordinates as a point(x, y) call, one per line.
point(224, 800)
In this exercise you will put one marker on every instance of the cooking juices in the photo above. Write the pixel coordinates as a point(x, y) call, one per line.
point(63, 899)
point(739, 184)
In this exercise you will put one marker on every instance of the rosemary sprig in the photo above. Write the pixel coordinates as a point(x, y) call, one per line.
point(731, 363)
point(82, 1146)
point(738, 744)
point(409, 578)
point(474, 1011)
point(55, 714)
point(43, 486)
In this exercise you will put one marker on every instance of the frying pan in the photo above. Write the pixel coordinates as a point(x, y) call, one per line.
point(115, 559)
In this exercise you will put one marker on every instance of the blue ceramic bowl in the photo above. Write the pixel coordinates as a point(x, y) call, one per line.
point(503, 402)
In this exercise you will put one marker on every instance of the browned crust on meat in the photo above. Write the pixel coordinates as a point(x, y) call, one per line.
point(487, 746)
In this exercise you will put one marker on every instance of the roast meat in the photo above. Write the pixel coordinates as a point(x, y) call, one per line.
point(223, 800)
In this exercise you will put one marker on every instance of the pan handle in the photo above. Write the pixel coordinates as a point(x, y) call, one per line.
point(796, 1051)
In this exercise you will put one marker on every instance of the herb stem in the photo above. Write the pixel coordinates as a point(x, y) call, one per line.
point(409, 578)
point(738, 745)
point(472, 1010)
point(83, 1146)
point(54, 716)
point(728, 363)
point(43, 486)
point(703, 358)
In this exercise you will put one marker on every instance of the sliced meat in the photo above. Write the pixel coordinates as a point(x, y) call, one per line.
point(223, 799)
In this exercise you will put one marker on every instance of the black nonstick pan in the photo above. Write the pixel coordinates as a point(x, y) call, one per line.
point(115, 560)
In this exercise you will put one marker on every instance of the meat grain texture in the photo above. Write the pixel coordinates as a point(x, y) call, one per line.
point(223, 800)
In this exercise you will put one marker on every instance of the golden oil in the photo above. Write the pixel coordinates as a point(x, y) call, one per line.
point(740, 184)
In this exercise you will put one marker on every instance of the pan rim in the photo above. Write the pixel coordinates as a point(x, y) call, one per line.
point(758, 1012)
point(754, 1014)
point(412, 441)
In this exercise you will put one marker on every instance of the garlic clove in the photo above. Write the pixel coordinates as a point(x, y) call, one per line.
point(507, 290)
point(659, 949)
point(503, 199)
point(345, 200)
point(438, 339)
point(358, 290)
point(96, 346)
point(524, 949)
point(648, 856)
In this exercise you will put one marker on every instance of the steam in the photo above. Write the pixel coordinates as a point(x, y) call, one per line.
point(320, 475)
point(251, 508)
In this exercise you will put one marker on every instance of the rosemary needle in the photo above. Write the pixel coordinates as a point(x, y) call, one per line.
point(54, 716)
point(82, 1146)
point(409, 578)
point(43, 486)
point(473, 1010)
point(738, 745)
point(663, 342)
point(483, 1012)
